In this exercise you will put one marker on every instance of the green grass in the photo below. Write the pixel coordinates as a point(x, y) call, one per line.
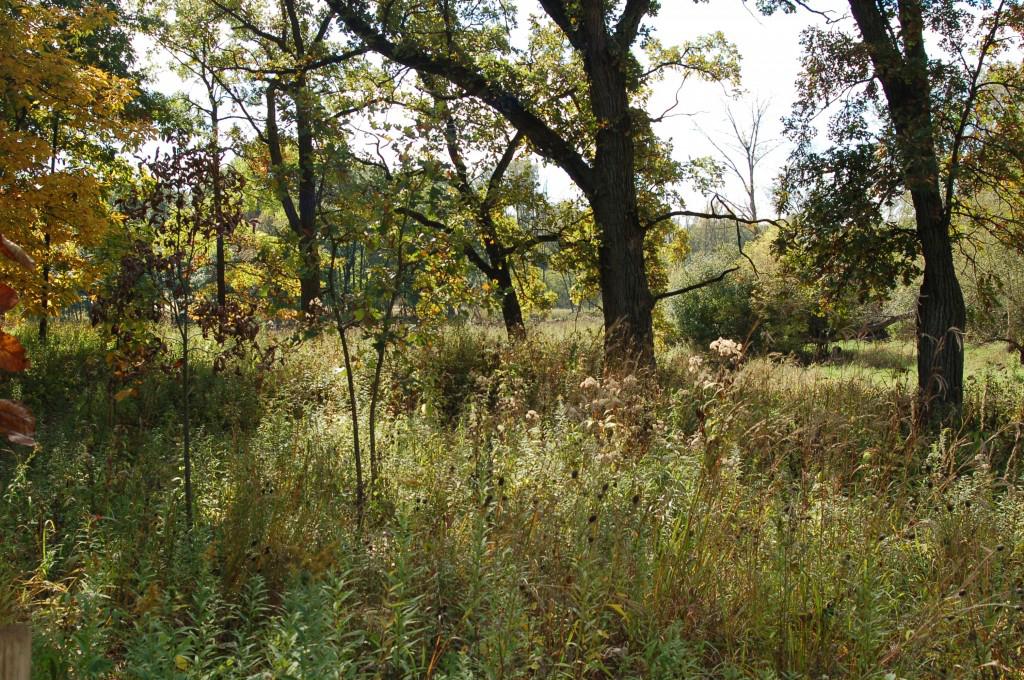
point(773, 522)
point(893, 361)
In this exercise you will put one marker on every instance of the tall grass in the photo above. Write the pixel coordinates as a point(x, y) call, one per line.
point(761, 522)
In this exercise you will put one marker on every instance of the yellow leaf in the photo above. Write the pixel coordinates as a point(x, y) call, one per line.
point(181, 662)
point(618, 609)
point(124, 394)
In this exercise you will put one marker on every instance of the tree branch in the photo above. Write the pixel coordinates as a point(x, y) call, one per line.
point(249, 25)
point(965, 115)
point(695, 286)
point(468, 250)
point(708, 216)
point(500, 169)
point(629, 22)
point(547, 142)
point(557, 10)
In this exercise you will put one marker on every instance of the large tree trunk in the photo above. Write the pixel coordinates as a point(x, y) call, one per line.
point(626, 298)
point(941, 318)
point(903, 73)
point(625, 293)
point(310, 275)
point(301, 219)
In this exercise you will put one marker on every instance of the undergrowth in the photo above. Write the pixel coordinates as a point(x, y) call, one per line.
point(533, 519)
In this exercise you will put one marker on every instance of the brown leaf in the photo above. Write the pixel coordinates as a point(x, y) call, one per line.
point(15, 252)
point(124, 394)
point(16, 422)
point(8, 298)
point(22, 439)
point(12, 354)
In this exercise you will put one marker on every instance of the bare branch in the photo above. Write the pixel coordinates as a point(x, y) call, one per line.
point(695, 286)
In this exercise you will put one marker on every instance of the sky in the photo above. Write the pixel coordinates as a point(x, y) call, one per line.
point(770, 61)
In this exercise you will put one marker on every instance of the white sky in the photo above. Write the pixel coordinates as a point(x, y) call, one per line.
point(770, 53)
point(770, 60)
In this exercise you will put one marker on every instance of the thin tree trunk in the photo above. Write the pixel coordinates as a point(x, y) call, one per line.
point(44, 321)
point(217, 210)
point(349, 377)
point(186, 420)
point(354, 409)
point(382, 349)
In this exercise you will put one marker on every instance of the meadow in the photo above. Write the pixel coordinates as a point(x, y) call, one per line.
point(532, 518)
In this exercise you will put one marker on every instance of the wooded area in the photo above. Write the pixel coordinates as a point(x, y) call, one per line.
point(308, 373)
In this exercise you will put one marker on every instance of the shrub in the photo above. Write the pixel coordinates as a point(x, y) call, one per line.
point(723, 309)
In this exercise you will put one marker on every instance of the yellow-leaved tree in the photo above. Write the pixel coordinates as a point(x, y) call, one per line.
point(56, 110)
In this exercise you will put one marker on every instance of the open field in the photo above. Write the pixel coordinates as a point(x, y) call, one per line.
point(771, 522)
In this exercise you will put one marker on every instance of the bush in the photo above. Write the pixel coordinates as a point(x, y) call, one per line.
point(723, 309)
point(771, 309)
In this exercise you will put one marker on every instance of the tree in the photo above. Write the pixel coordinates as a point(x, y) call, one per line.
point(291, 42)
point(597, 147)
point(484, 192)
point(195, 39)
point(174, 220)
point(846, 198)
point(53, 144)
point(744, 151)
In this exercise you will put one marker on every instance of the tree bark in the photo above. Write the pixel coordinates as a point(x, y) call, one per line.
point(941, 319)
point(511, 310)
point(308, 246)
point(626, 297)
point(902, 71)
point(15, 652)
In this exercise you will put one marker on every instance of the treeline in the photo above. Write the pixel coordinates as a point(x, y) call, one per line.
point(374, 166)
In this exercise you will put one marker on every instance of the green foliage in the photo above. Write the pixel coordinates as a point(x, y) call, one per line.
point(724, 309)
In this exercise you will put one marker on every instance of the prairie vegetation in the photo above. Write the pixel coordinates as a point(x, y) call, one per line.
point(532, 519)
